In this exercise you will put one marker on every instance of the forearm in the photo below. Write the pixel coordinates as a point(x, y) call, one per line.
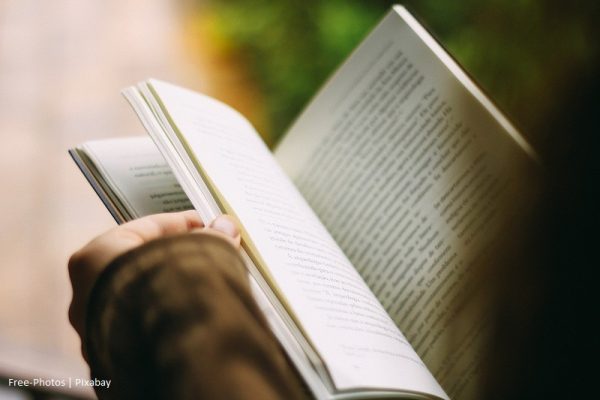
point(175, 319)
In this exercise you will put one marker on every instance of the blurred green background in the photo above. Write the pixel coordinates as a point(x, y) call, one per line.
point(523, 52)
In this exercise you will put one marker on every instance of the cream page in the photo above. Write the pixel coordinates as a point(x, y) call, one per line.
point(412, 171)
point(359, 343)
point(137, 172)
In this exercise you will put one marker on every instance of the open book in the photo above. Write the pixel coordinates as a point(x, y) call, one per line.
point(365, 231)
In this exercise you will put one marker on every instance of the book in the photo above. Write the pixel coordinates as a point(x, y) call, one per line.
point(367, 230)
point(131, 177)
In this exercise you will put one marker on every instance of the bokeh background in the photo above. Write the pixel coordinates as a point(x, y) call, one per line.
point(63, 63)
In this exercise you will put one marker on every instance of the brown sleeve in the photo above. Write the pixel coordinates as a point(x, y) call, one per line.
point(174, 319)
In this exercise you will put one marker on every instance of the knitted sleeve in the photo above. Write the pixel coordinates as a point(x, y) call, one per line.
point(175, 319)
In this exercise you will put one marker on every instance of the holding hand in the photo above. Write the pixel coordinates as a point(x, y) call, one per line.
point(86, 265)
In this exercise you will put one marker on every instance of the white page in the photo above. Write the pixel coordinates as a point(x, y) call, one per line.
point(123, 159)
point(409, 167)
point(138, 175)
point(348, 327)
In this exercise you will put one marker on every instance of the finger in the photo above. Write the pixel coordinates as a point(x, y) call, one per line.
point(158, 225)
point(119, 240)
point(226, 227)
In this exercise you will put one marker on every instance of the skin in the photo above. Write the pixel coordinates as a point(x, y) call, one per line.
point(86, 265)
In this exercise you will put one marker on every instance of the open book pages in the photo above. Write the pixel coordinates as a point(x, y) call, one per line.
point(331, 311)
point(131, 177)
point(368, 232)
point(415, 173)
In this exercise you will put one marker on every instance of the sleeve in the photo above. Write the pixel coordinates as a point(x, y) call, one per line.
point(175, 319)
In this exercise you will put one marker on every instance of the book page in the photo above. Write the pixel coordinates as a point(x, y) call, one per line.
point(137, 174)
point(412, 171)
point(358, 342)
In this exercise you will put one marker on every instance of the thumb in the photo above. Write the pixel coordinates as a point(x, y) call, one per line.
point(226, 227)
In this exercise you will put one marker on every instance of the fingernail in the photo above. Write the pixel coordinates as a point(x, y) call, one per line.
point(226, 225)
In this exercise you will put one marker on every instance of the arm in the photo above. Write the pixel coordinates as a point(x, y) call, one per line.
point(174, 318)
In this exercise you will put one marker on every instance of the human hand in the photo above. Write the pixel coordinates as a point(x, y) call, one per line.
point(86, 265)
